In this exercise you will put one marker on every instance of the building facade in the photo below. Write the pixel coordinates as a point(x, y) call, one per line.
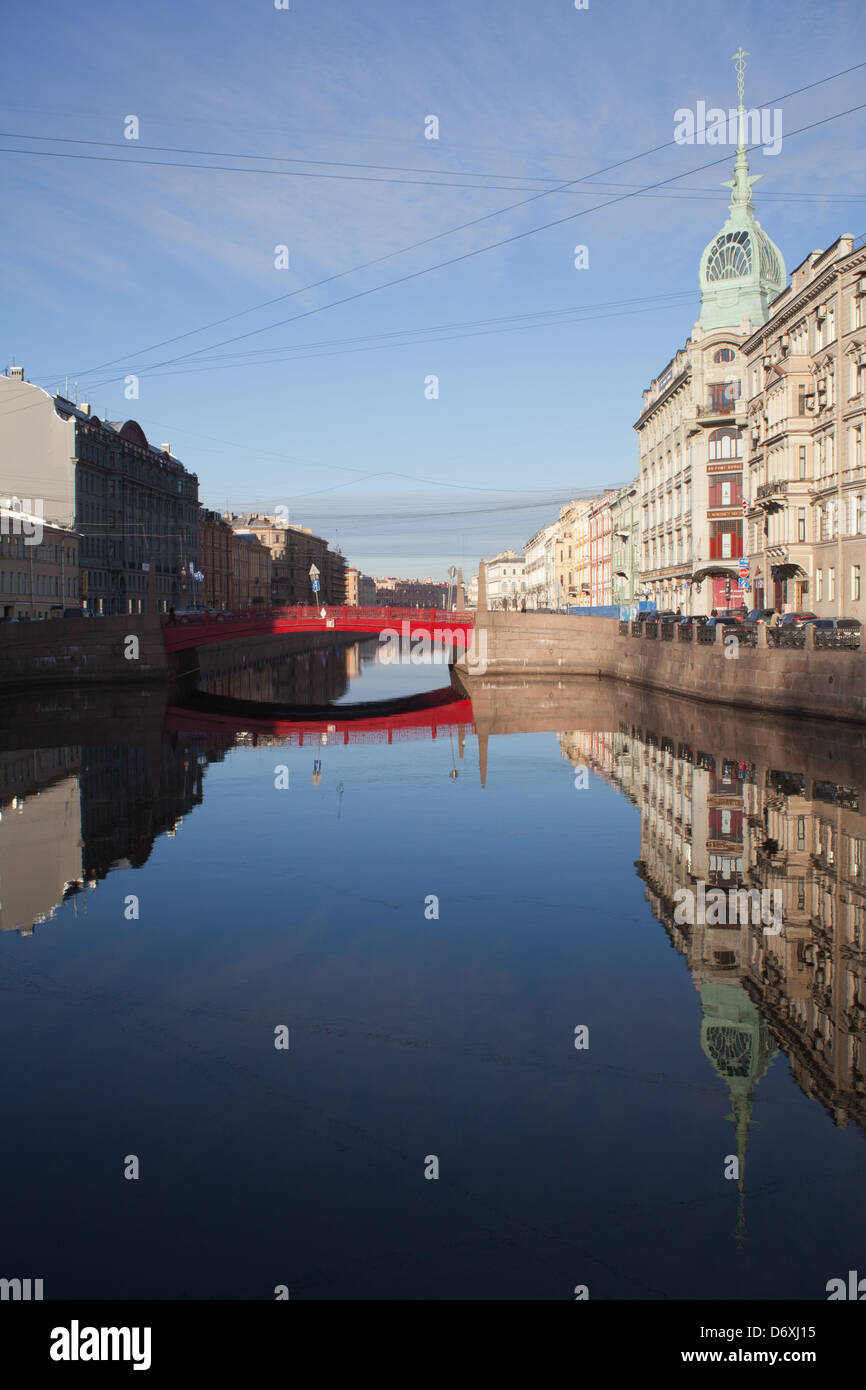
point(692, 425)
point(294, 550)
point(38, 567)
point(133, 505)
point(215, 560)
point(506, 581)
point(806, 467)
point(539, 568)
point(625, 545)
point(251, 570)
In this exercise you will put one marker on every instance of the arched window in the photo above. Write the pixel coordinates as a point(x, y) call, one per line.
point(730, 258)
point(724, 354)
point(725, 443)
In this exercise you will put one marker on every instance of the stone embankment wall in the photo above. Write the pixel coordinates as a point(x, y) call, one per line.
point(540, 646)
point(73, 650)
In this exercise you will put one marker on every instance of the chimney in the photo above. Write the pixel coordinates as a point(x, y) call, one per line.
point(17, 373)
point(166, 448)
point(84, 408)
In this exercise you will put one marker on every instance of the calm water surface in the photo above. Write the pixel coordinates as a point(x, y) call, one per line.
point(413, 1035)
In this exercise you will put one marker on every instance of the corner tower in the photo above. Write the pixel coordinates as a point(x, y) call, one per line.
point(742, 270)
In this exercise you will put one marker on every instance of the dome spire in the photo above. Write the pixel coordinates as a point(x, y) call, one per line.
point(742, 271)
point(741, 183)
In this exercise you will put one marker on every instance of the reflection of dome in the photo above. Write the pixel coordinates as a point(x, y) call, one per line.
point(736, 1039)
point(729, 1049)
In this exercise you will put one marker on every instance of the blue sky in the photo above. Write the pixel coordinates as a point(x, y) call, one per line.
point(327, 415)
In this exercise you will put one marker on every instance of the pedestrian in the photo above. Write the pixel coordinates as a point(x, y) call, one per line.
point(523, 606)
point(715, 613)
point(679, 613)
point(172, 616)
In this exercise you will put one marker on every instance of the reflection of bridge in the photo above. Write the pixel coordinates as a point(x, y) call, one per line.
point(381, 721)
point(436, 624)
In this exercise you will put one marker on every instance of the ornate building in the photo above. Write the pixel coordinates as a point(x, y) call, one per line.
point(694, 413)
point(806, 456)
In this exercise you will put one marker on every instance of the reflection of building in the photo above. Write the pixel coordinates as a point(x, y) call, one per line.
point(710, 818)
point(40, 834)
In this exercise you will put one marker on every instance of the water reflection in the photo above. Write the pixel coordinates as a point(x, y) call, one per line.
point(309, 905)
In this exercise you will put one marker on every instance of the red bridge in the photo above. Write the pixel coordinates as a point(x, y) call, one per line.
point(434, 623)
point(430, 715)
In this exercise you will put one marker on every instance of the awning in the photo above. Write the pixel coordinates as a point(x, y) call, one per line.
point(715, 570)
point(788, 570)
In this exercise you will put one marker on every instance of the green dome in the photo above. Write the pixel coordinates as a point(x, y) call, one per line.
point(742, 270)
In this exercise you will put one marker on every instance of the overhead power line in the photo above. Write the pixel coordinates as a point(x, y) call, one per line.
point(479, 251)
point(426, 241)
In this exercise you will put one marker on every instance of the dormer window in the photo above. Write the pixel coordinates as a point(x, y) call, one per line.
point(724, 354)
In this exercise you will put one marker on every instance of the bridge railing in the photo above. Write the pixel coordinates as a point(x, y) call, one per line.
point(301, 612)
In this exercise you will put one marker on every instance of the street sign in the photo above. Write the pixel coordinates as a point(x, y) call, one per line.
point(315, 586)
point(314, 573)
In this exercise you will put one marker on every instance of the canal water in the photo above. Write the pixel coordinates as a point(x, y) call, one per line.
point(512, 1066)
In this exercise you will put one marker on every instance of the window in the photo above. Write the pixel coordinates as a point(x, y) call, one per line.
point(801, 473)
point(831, 585)
point(723, 394)
point(726, 546)
point(801, 524)
point(858, 446)
point(855, 583)
point(724, 354)
point(802, 393)
point(819, 585)
point(725, 443)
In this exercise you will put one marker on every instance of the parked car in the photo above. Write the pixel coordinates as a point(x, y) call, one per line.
point(694, 620)
point(733, 615)
point(838, 624)
point(760, 615)
point(797, 619)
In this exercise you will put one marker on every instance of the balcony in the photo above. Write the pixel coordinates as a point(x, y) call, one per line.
point(768, 494)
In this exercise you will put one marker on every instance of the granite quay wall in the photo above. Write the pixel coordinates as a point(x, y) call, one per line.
point(820, 684)
point(68, 651)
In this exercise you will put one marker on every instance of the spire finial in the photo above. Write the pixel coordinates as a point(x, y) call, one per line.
point(741, 184)
point(740, 59)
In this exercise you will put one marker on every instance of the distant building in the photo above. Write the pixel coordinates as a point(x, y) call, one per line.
point(38, 567)
point(293, 550)
point(571, 583)
point(539, 556)
point(215, 560)
point(412, 593)
point(360, 589)
point(251, 570)
point(506, 580)
point(625, 545)
point(134, 505)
